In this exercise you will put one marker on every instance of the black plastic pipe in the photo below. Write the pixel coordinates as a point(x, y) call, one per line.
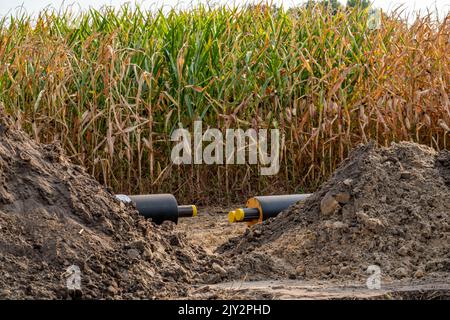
point(246, 214)
point(187, 211)
point(271, 206)
point(260, 208)
point(159, 207)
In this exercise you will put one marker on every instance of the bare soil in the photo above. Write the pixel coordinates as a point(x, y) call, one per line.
point(388, 207)
point(54, 215)
point(313, 290)
point(211, 230)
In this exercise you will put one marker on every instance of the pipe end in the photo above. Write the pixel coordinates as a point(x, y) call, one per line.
point(239, 215)
point(231, 216)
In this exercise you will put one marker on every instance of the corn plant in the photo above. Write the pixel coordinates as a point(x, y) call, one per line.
point(111, 85)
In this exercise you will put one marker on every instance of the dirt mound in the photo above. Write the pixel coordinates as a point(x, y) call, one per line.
point(388, 207)
point(55, 219)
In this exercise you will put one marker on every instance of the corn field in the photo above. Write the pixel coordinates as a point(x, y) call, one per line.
point(111, 85)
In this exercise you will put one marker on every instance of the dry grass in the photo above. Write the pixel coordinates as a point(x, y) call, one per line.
point(111, 85)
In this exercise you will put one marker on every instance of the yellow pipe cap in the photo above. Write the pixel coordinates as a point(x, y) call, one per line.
point(231, 217)
point(194, 210)
point(239, 216)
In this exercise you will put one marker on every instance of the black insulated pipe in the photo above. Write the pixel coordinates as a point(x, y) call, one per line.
point(159, 207)
point(246, 214)
point(187, 211)
point(272, 205)
point(261, 208)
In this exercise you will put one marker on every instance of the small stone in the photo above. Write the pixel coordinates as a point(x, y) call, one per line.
point(403, 251)
point(300, 270)
point(401, 272)
point(5, 293)
point(112, 290)
point(218, 269)
point(124, 275)
point(133, 254)
point(361, 216)
point(339, 225)
point(356, 190)
point(419, 273)
point(374, 225)
point(328, 205)
point(345, 270)
point(342, 197)
point(328, 224)
point(148, 255)
point(348, 182)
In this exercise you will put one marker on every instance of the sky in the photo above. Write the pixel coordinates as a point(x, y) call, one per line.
point(34, 6)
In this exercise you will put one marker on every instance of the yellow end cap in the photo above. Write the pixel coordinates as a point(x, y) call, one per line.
point(231, 217)
point(194, 210)
point(239, 216)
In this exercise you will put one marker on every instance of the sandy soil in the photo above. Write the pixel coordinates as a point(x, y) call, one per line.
point(385, 213)
point(210, 229)
point(311, 290)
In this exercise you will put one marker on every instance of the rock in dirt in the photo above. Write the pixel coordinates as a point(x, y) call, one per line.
point(328, 205)
point(63, 235)
point(383, 206)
